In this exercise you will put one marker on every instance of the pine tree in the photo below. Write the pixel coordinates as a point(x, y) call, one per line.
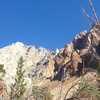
point(18, 89)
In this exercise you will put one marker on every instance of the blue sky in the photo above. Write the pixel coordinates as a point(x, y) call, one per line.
point(47, 23)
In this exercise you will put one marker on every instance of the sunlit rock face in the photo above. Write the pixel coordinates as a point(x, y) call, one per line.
point(48, 69)
point(10, 55)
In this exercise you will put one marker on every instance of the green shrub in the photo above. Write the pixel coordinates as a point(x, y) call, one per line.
point(88, 90)
point(2, 71)
point(18, 88)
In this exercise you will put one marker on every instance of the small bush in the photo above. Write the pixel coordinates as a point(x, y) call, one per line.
point(87, 90)
point(18, 89)
point(2, 71)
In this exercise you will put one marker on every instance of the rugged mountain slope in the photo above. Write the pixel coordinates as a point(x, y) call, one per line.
point(56, 71)
point(10, 55)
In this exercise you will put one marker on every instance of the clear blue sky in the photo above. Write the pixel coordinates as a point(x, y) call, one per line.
point(47, 23)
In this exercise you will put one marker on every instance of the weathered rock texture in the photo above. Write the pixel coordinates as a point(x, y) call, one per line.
point(56, 71)
point(9, 57)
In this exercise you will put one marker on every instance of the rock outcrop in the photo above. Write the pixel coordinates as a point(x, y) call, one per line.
point(10, 55)
point(83, 51)
point(56, 71)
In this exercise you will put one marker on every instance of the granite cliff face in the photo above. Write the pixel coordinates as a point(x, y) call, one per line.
point(11, 54)
point(47, 69)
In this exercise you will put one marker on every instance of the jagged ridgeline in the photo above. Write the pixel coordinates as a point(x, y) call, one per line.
point(89, 42)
